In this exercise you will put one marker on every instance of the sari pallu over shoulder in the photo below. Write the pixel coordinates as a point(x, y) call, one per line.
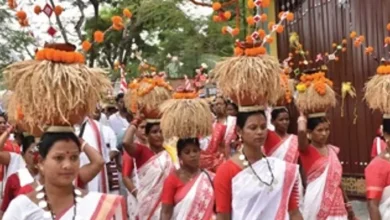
point(195, 201)
point(286, 150)
point(93, 206)
point(253, 200)
point(212, 157)
point(151, 181)
point(324, 199)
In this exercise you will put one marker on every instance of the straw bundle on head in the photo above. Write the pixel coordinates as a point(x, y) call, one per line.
point(131, 96)
point(186, 118)
point(377, 90)
point(286, 90)
point(315, 93)
point(46, 92)
point(148, 95)
point(249, 80)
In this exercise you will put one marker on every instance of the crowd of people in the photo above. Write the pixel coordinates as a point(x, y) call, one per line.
point(159, 153)
point(203, 178)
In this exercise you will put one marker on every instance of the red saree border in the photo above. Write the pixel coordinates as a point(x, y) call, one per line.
point(288, 184)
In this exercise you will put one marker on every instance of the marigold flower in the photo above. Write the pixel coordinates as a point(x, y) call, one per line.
point(58, 10)
point(98, 36)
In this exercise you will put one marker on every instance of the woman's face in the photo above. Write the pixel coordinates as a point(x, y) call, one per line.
point(230, 110)
point(219, 106)
point(61, 165)
point(190, 156)
point(282, 122)
point(321, 133)
point(141, 131)
point(3, 124)
point(29, 156)
point(254, 132)
point(155, 137)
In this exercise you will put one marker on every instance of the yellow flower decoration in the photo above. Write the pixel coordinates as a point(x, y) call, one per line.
point(301, 87)
point(348, 89)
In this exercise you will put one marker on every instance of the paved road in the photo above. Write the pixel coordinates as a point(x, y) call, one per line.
point(360, 209)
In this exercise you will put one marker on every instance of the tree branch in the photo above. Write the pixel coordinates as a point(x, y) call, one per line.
point(28, 52)
point(62, 29)
point(80, 22)
point(200, 3)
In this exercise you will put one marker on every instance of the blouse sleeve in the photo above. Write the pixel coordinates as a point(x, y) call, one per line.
point(169, 190)
point(376, 177)
point(127, 165)
point(223, 189)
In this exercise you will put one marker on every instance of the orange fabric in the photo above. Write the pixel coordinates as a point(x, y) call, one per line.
point(377, 175)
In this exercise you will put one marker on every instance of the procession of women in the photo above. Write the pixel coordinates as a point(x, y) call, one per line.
point(71, 150)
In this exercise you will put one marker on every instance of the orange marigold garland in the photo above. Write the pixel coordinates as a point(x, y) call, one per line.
point(127, 13)
point(146, 95)
point(376, 88)
point(21, 15)
point(58, 10)
point(251, 77)
point(59, 56)
point(286, 89)
point(37, 9)
point(12, 4)
point(315, 93)
point(86, 45)
point(56, 88)
point(98, 36)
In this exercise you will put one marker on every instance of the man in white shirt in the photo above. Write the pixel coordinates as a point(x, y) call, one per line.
point(91, 131)
point(118, 121)
point(111, 144)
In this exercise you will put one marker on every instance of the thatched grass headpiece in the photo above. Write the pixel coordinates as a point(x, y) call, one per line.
point(186, 118)
point(377, 90)
point(55, 89)
point(148, 94)
point(315, 93)
point(251, 77)
point(249, 80)
point(286, 89)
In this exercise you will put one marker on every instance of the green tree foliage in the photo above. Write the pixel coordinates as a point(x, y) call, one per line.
point(14, 43)
point(171, 31)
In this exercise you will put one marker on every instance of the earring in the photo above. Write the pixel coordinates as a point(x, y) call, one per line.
point(239, 138)
point(309, 136)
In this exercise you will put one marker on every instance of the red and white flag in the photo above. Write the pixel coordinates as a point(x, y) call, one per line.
point(123, 82)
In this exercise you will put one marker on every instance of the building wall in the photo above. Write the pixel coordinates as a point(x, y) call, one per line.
point(320, 23)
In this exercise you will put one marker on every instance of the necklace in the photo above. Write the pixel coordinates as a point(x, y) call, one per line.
point(43, 202)
point(246, 163)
